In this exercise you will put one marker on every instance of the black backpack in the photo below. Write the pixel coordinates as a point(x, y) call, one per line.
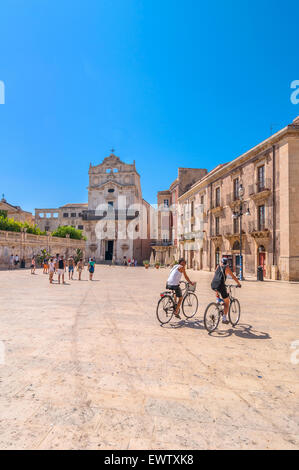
point(219, 278)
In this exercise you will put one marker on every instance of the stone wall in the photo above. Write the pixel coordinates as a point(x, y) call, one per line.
point(26, 245)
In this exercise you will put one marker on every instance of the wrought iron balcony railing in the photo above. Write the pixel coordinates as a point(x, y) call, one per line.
point(109, 215)
point(263, 225)
point(260, 186)
point(161, 243)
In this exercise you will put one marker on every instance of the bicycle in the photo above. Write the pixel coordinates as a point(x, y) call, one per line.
point(167, 304)
point(214, 311)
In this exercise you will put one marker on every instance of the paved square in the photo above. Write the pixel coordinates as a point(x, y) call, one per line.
point(87, 366)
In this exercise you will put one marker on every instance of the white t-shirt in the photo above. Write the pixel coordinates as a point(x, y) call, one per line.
point(174, 276)
point(51, 267)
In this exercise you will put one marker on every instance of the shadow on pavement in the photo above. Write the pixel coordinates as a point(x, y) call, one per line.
point(194, 324)
point(242, 330)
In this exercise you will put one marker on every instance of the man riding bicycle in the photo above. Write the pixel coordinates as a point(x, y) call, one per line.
point(173, 283)
point(218, 284)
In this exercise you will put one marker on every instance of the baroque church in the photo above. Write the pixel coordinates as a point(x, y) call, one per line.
point(117, 220)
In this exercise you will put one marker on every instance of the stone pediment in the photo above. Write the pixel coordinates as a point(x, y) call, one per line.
point(110, 184)
point(5, 206)
point(112, 160)
point(112, 163)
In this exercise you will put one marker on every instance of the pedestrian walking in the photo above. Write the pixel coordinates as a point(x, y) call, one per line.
point(11, 261)
point(33, 265)
point(51, 270)
point(16, 260)
point(71, 266)
point(60, 268)
point(91, 268)
point(80, 267)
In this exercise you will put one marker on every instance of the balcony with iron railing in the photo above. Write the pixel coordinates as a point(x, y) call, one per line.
point(113, 214)
point(261, 189)
point(161, 243)
point(260, 228)
point(217, 206)
point(232, 200)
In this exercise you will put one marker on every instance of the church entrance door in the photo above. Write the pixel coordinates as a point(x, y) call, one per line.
point(109, 250)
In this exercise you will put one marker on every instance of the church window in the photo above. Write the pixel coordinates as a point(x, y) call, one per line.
point(111, 190)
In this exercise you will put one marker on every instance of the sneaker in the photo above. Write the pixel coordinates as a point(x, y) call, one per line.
point(224, 320)
point(177, 315)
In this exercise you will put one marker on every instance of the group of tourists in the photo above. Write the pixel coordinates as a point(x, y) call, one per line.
point(130, 262)
point(59, 265)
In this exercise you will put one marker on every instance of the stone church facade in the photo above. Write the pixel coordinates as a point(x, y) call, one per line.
point(117, 221)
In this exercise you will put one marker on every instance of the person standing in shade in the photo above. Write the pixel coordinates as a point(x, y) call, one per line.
point(11, 261)
point(91, 268)
point(60, 267)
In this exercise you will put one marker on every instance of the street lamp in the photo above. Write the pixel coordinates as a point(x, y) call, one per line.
point(239, 214)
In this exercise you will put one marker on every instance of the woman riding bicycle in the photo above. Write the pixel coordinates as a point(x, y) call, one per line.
point(173, 283)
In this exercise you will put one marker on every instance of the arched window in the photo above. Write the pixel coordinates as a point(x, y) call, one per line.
point(262, 249)
point(111, 190)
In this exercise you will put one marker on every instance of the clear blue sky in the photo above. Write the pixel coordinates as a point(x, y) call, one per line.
point(165, 82)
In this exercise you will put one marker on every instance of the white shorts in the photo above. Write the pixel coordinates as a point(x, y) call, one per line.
point(60, 271)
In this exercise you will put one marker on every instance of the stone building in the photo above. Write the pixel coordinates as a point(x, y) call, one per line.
point(165, 247)
point(15, 212)
point(117, 221)
point(269, 177)
point(69, 214)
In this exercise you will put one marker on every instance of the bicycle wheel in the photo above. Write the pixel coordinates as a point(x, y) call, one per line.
point(212, 317)
point(165, 309)
point(234, 312)
point(190, 305)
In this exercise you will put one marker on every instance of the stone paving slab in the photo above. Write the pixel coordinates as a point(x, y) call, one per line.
point(87, 366)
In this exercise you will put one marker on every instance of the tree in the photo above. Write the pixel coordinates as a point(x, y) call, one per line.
point(78, 255)
point(68, 230)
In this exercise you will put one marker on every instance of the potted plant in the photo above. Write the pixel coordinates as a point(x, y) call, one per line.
point(146, 264)
point(157, 265)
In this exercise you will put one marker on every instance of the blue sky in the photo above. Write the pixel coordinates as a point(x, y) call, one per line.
point(168, 83)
